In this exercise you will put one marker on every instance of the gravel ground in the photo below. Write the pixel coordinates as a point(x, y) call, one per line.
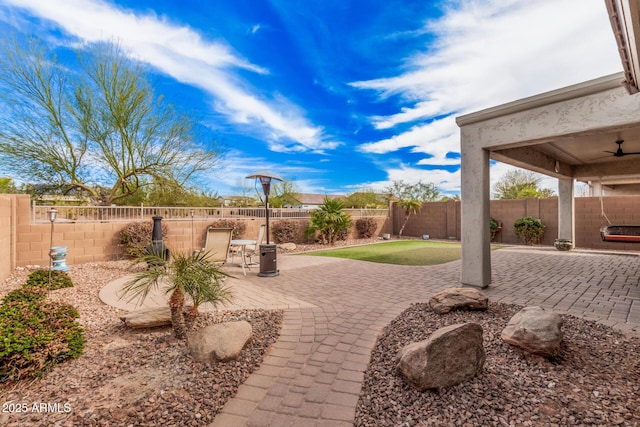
point(130, 377)
point(595, 381)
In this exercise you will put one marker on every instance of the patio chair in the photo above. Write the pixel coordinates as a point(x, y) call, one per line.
point(251, 250)
point(217, 244)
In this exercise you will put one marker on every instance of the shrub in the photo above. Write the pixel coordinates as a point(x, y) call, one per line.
point(285, 231)
point(494, 226)
point(36, 334)
point(342, 234)
point(40, 279)
point(136, 237)
point(366, 227)
point(238, 227)
point(29, 295)
point(529, 229)
point(330, 221)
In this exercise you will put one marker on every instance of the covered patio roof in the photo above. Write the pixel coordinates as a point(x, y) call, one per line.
point(567, 133)
point(587, 132)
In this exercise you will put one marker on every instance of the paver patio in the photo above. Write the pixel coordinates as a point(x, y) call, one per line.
point(334, 309)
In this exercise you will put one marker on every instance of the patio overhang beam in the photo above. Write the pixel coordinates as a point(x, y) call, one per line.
point(529, 158)
point(607, 169)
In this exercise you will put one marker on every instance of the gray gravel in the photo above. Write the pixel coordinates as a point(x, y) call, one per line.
point(594, 382)
point(127, 377)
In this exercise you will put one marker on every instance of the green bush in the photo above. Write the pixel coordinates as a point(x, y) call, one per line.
point(285, 231)
point(238, 227)
point(136, 237)
point(36, 334)
point(494, 226)
point(40, 279)
point(29, 295)
point(529, 230)
point(330, 222)
point(366, 227)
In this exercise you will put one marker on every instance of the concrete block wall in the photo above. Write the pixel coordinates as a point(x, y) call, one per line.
point(437, 217)
point(25, 243)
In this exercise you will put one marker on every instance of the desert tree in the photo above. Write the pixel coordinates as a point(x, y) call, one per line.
point(284, 193)
point(520, 184)
point(412, 196)
point(97, 126)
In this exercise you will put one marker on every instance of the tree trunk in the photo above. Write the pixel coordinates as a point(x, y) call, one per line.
point(190, 317)
point(403, 225)
point(176, 303)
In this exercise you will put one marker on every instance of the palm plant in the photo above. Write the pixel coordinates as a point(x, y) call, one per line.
point(329, 220)
point(411, 207)
point(182, 274)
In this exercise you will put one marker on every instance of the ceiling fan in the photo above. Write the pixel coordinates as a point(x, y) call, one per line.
point(619, 152)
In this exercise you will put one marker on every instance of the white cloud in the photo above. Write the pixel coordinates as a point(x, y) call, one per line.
point(255, 28)
point(181, 53)
point(435, 139)
point(487, 53)
point(232, 180)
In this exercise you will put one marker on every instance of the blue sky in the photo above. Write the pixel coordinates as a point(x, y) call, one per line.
point(336, 95)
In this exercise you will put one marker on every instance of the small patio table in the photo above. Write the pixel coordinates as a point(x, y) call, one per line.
point(242, 244)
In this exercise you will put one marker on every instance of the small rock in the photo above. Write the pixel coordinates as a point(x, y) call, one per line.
point(287, 246)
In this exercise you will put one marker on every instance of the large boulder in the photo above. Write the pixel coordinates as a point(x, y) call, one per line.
point(458, 299)
point(451, 355)
point(219, 342)
point(147, 317)
point(536, 330)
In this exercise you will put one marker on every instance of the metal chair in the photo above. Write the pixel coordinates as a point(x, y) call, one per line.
point(217, 244)
point(251, 250)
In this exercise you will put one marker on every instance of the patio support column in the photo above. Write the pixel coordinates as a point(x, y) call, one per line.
point(476, 253)
point(566, 210)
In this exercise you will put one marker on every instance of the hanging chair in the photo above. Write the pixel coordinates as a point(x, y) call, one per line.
point(617, 232)
point(621, 233)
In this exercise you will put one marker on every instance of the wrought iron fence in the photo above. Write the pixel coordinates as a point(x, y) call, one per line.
point(133, 213)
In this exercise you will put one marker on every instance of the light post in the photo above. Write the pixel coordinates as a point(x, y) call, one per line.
point(268, 259)
point(52, 218)
point(192, 212)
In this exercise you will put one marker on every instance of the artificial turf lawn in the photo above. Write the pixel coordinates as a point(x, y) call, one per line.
point(405, 252)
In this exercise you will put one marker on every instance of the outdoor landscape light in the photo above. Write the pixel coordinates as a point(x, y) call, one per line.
point(268, 260)
point(192, 212)
point(53, 214)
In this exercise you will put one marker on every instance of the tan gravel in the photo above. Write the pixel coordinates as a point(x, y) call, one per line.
point(130, 377)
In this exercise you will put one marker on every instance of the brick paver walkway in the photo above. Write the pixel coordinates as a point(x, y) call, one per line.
point(335, 308)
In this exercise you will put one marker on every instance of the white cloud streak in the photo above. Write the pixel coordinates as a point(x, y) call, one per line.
point(183, 54)
point(488, 52)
